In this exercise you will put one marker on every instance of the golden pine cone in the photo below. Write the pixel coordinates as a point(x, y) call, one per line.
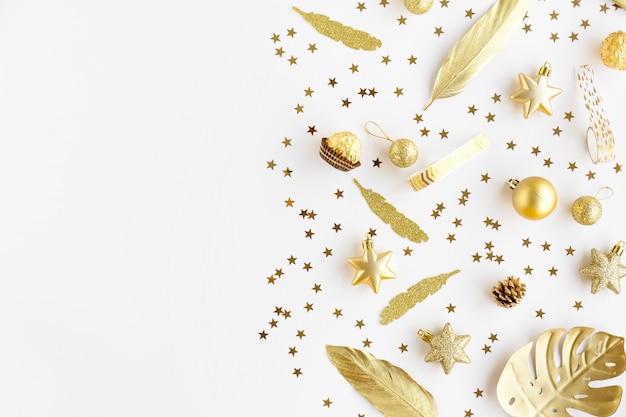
point(509, 293)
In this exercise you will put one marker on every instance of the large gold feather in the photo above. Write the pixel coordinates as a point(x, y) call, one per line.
point(389, 388)
point(479, 45)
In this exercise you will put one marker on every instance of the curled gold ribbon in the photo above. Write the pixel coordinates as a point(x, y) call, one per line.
point(600, 139)
point(449, 163)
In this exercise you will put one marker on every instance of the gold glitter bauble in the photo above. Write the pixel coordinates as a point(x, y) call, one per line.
point(403, 153)
point(418, 6)
point(533, 198)
point(587, 210)
point(613, 50)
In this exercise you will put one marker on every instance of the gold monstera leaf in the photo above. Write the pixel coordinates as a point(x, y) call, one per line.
point(562, 374)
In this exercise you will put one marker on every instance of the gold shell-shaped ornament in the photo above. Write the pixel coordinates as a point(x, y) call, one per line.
point(418, 6)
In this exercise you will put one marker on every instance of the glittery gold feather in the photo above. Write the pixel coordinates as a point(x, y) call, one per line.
point(479, 45)
point(399, 223)
point(389, 388)
point(352, 38)
point(405, 301)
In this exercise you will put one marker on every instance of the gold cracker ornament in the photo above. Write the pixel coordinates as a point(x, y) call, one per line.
point(446, 347)
point(535, 93)
point(605, 270)
point(371, 267)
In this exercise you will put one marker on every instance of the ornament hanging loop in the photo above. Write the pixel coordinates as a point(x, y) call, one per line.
point(604, 190)
point(380, 129)
point(426, 335)
point(546, 69)
point(618, 249)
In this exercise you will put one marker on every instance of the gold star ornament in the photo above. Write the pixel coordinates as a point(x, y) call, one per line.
point(535, 93)
point(605, 270)
point(446, 347)
point(371, 267)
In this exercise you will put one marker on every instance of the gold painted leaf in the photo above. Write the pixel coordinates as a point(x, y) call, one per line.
point(551, 388)
point(399, 223)
point(389, 388)
point(352, 38)
point(480, 44)
point(403, 302)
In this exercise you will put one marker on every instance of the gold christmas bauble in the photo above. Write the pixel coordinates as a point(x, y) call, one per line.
point(418, 6)
point(587, 210)
point(533, 198)
point(403, 153)
point(613, 50)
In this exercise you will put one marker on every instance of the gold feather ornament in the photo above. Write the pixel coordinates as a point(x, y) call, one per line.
point(389, 388)
point(352, 38)
point(543, 387)
point(479, 45)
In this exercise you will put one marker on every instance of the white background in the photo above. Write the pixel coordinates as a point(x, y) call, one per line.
point(138, 222)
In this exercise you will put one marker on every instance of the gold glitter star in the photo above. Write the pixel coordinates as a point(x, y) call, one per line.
point(444, 3)
point(371, 267)
point(346, 102)
point(307, 266)
point(446, 347)
point(575, 3)
point(262, 334)
point(604, 8)
point(468, 413)
point(457, 222)
point(336, 227)
point(605, 270)
point(273, 323)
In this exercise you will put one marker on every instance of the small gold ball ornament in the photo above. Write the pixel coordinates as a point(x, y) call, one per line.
point(534, 198)
point(613, 50)
point(587, 209)
point(418, 6)
point(403, 152)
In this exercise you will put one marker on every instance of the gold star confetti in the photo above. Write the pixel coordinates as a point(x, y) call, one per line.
point(539, 313)
point(578, 305)
point(366, 343)
point(438, 31)
point(327, 402)
point(337, 313)
point(446, 347)
point(486, 349)
point(312, 47)
point(361, 6)
point(450, 308)
point(472, 109)
point(569, 251)
point(412, 60)
point(572, 166)
point(490, 117)
point(401, 20)
point(403, 348)
point(359, 324)
point(478, 392)
point(297, 372)
point(469, 13)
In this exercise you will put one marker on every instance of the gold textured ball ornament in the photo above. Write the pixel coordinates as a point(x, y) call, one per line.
point(403, 153)
point(613, 50)
point(418, 6)
point(534, 198)
point(587, 210)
